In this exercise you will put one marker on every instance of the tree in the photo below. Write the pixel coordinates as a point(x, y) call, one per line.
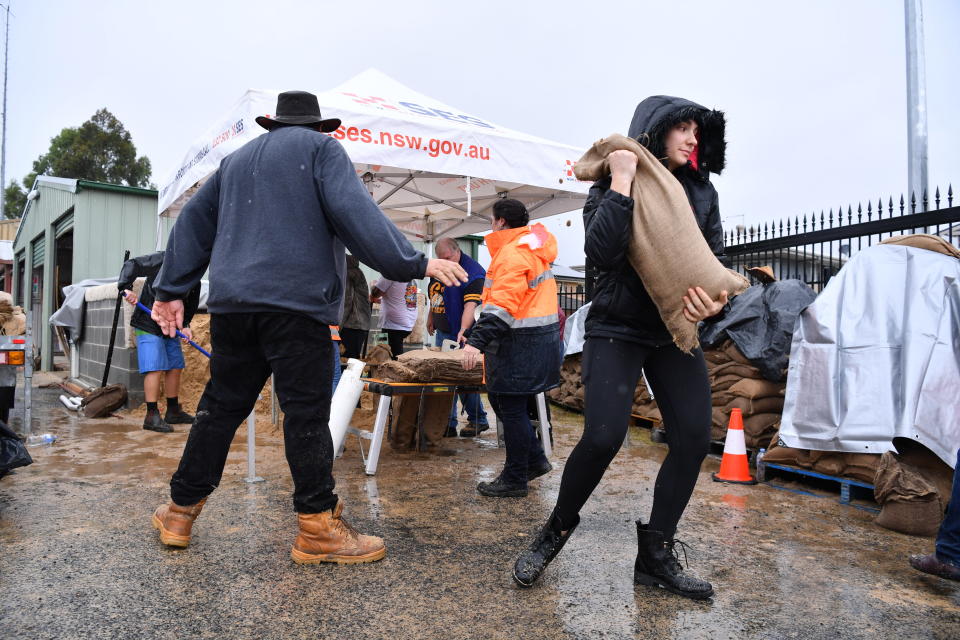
point(14, 199)
point(100, 149)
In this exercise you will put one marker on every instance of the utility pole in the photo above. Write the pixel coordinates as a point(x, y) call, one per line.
point(3, 141)
point(916, 103)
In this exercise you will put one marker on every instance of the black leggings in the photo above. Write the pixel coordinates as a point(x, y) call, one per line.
point(611, 370)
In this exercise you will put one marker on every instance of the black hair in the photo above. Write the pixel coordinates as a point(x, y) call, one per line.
point(513, 211)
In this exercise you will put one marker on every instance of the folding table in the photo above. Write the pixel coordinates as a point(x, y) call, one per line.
point(388, 390)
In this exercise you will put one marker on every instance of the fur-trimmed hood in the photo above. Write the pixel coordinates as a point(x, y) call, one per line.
point(656, 115)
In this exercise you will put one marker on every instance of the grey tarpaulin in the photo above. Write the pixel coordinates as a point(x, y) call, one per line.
point(760, 322)
point(70, 313)
point(573, 331)
point(877, 357)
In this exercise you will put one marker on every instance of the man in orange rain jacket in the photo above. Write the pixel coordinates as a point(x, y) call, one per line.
point(519, 334)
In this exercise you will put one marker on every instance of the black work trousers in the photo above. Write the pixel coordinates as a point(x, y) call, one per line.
point(611, 370)
point(247, 347)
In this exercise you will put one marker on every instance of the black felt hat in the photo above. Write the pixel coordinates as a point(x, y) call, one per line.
point(298, 107)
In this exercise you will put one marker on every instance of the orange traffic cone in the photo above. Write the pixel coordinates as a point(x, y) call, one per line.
point(733, 466)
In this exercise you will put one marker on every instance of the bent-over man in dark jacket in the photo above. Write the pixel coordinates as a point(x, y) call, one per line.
point(158, 356)
point(271, 223)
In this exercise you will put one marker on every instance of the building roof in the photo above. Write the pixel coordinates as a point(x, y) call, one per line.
point(120, 188)
point(565, 273)
point(75, 186)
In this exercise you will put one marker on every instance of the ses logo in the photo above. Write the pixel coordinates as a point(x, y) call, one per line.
point(413, 107)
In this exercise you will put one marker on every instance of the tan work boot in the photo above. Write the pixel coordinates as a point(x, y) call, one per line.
point(326, 537)
point(175, 522)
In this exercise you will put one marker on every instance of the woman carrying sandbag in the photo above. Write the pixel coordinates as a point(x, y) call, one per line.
point(519, 334)
point(626, 331)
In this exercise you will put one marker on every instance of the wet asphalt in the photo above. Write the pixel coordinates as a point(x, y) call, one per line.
point(79, 559)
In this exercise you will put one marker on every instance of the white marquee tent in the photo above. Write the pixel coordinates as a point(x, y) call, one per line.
point(434, 169)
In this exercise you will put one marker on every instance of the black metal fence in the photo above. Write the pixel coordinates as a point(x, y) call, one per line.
point(570, 301)
point(815, 249)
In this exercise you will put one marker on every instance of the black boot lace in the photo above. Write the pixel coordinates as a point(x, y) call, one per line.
point(672, 546)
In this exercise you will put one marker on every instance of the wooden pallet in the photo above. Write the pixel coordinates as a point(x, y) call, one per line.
point(847, 486)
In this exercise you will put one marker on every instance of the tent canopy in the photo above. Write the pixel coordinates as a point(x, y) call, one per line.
point(435, 170)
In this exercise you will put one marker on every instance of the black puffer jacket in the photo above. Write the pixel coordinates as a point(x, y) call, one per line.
point(622, 308)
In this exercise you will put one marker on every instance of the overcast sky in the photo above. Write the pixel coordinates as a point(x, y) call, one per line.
point(814, 94)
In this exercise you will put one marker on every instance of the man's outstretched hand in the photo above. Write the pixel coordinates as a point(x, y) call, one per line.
point(169, 315)
point(449, 273)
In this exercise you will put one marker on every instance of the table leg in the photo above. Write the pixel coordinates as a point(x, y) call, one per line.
point(379, 426)
point(544, 424)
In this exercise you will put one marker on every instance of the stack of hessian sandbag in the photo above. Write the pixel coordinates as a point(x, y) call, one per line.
point(428, 365)
point(13, 322)
point(856, 466)
point(570, 392)
point(735, 383)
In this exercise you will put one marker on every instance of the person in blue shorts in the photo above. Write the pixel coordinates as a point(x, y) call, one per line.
point(160, 358)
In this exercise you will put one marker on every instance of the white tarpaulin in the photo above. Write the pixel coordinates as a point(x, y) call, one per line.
point(413, 153)
point(877, 357)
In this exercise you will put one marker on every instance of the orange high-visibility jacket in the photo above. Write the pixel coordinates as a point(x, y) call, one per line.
point(518, 329)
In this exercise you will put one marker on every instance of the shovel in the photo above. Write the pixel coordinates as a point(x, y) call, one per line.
point(193, 344)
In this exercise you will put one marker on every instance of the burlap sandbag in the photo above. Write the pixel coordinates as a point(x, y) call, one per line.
point(715, 357)
point(927, 464)
point(831, 463)
point(750, 407)
point(760, 424)
point(440, 366)
point(719, 418)
point(777, 453)
point(393, 371)
point(925, 241)
point(436, 415)
point(378, 355)
point(910, 503)
point(912, 518)
point(861, 466)
point(667, 248)
point(16, 325)
point(723, 383)
point(748, 388)
point(721, 398)
point(737, 369)
point(734, 353)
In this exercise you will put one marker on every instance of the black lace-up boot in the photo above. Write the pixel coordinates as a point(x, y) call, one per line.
point(658, 565)
point(532, 562)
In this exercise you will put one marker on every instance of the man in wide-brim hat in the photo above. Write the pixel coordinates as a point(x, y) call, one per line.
point(271, 224)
